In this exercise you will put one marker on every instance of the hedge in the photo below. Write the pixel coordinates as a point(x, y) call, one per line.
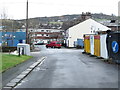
point(8, 49)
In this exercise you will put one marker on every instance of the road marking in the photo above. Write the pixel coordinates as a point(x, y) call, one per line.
point(43, 59)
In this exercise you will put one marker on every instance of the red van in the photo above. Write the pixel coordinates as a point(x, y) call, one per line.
point(54, 44)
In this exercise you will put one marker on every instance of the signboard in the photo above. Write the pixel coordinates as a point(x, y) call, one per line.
point(115, 46)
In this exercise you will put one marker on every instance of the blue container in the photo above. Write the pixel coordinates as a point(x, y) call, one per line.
point(13, 41)
point(10, 43)
point(80, 43)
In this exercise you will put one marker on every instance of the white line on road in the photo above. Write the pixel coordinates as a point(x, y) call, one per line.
point(43, 59)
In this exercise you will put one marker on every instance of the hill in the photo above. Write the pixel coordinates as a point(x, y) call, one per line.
point(59, 22)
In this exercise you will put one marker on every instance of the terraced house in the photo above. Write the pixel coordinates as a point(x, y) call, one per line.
point(46, 35)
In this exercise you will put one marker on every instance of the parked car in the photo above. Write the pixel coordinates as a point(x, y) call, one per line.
point(39, 43)
point(54, 44)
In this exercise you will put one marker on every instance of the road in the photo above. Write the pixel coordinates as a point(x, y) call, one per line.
point(69, 68)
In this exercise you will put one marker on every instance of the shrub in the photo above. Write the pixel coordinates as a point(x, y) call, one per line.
point(8, 49)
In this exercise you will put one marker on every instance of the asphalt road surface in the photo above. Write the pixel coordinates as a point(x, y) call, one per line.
point(69, 68)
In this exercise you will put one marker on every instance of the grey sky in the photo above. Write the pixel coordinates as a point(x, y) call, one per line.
point(39, 8)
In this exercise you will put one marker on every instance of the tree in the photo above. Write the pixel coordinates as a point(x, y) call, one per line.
point(9, 25)
point(4, 20)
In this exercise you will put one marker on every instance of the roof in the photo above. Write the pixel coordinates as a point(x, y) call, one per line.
point(95, 24)
point(109, 23)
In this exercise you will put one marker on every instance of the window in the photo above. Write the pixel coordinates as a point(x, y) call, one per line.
point(42, 30)
point(46, 30)
point(38, 34)
point(42, 34)
point(57, 42)
point(47, 35)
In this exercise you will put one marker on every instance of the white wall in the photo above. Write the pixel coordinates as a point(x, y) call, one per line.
point(104, 52)
point(77, 32)
point(95, 26)
point(86, 27)
point(49, 30)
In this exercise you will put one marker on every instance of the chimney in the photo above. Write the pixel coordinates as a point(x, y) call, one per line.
point(85, 16)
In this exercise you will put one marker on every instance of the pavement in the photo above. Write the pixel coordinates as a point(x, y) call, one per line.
point(24, 74)
point(11, 74)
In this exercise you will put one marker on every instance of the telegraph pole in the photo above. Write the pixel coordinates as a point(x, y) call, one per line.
point(27, 41)
point(118, 16)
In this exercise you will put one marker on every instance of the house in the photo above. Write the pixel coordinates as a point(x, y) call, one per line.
point(46, 35)
point(113, 24)
point(88, 26)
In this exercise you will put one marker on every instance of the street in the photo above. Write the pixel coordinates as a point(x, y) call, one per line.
point(69, 68)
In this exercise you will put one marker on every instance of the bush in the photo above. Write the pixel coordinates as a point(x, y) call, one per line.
point(8, 49)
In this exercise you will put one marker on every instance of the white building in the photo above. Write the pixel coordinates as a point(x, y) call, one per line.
point(46, 35)
point(88, 26)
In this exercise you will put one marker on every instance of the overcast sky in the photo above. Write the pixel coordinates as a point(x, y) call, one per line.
point(39, 8)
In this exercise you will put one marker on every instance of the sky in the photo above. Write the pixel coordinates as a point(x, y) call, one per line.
point(16, 9)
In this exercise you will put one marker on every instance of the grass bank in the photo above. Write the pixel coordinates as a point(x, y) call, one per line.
point(9, 61)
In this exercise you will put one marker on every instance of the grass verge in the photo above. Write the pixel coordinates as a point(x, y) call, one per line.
point(9, 61)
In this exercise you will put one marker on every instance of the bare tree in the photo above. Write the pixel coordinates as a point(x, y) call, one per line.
point(4, 21)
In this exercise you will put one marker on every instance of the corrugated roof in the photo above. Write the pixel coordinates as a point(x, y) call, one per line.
point(108, 23)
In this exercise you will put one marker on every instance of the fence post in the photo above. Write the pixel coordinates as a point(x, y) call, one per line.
point(19, 52)
point(23, 51)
